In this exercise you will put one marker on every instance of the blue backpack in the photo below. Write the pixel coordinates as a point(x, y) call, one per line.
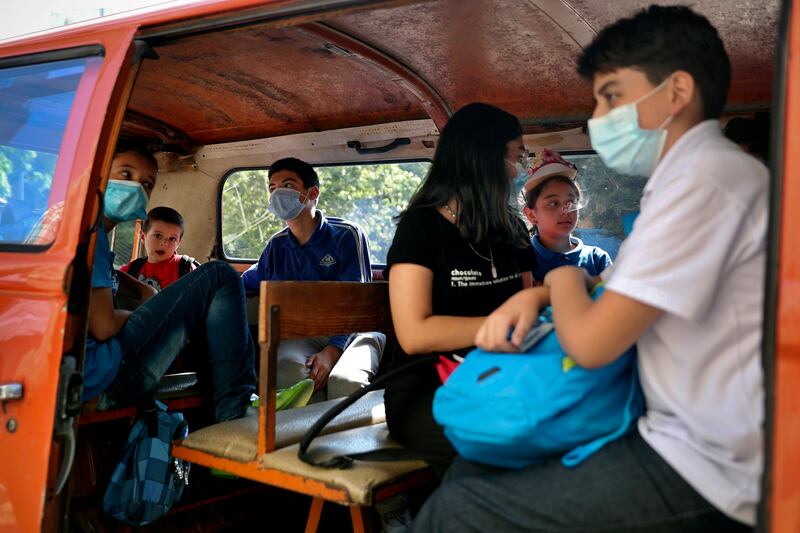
point(147, 480)
point(513, 410)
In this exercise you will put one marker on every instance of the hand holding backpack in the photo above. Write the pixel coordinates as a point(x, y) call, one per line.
point(515, 409)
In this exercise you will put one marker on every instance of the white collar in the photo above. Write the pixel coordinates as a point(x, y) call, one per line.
point(689, 141)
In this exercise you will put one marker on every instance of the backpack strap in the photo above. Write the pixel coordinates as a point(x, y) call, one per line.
point(136, 267)
point(185, 265)
point(344, 461)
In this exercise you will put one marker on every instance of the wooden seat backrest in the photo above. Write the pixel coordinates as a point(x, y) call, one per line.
point(299, 309)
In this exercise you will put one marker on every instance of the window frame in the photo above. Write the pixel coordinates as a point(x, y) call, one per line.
point(239, 260)
point(568, 153)
point(39, 58)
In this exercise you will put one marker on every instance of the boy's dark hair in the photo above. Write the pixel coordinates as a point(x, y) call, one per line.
point(163, 214)
point(303, 170)
point(658, 41)
point(130, 146)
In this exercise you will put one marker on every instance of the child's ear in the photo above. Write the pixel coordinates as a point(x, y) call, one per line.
point(683, 91)
point(530, 214)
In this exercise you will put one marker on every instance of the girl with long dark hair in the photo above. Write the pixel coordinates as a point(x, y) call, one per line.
point(460, 250)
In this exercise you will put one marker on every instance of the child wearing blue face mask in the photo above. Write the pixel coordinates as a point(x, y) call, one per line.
point(127, 352)
point(687, 288)
point(313, 247)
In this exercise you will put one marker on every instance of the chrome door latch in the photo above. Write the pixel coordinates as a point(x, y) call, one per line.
point(11, 391)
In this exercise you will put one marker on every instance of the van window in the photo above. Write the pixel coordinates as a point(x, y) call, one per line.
point(612, 202)
point(121, 241)
point(35, 102)
point(368, 194)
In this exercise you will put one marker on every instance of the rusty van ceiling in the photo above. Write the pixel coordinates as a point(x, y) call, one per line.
point(409, 61)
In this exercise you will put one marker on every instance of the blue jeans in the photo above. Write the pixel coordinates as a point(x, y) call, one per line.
point(209, 301)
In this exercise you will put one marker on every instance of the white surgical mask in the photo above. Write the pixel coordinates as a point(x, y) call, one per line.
point(285, 203)
point(624, 146)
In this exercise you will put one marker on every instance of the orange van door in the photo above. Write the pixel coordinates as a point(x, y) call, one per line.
point(59, 100)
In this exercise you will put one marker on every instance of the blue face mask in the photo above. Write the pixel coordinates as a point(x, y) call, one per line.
point(285, 203)
point(125, 200)
point(520, 178)
point(623, 146)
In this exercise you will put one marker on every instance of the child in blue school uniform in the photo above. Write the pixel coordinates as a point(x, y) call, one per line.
point(552, 201)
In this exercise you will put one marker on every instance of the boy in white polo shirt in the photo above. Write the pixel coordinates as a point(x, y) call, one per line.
point(687, 289)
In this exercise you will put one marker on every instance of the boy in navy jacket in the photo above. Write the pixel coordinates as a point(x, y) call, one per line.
point(313, 247)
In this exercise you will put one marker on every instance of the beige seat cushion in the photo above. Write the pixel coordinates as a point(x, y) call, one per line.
point(238, 439)
point(362, 478)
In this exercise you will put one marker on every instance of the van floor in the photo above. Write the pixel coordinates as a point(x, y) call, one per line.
point(208, 504)
point(211, 504)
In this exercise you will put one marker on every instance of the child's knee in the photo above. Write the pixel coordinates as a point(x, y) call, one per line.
point(341, 385)
point(220, 268)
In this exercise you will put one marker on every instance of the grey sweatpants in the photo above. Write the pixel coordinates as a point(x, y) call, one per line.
point(354, 370)
point(624, 487)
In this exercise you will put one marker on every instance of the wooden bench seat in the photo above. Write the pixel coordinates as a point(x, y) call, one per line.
point(264, 448)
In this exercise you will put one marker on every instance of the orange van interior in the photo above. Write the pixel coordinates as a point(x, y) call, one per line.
point(254, 74)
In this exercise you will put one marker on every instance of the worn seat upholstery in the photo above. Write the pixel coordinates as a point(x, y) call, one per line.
point(363, 478)
point(238, 439)
point(263, 446)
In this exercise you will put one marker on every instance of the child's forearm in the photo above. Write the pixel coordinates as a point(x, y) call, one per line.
point(571, 305)
point(595, 333)
point(437, 333)
point(130, 283)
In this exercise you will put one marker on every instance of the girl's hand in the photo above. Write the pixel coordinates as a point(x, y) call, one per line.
point(518, 312)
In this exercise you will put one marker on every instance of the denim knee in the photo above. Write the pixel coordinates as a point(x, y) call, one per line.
point(221, 268)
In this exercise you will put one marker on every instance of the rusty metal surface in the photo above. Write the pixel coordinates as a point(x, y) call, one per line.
point(262, 81)
point(431, 101)
point(749, 29)
point(246, 84)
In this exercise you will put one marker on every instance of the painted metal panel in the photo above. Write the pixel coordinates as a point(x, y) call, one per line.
point(784, 501)
point(33, 298)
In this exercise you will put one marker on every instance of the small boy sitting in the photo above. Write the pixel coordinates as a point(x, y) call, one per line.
point(162, 233)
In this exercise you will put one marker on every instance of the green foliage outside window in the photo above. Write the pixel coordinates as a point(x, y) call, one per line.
point(370, 195)
point(122, 243)
point(26, 177)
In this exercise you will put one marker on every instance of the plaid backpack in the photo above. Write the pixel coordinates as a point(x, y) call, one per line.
point(147, 480)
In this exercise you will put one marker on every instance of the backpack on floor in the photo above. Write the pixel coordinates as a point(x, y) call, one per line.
point(515, 409)
point(147, 481)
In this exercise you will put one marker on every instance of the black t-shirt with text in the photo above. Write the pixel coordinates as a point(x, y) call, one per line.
point(463, 284)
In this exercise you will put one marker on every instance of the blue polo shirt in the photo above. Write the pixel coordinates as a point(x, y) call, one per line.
point(336, 251)
point(102, 359)
point(591, 258)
